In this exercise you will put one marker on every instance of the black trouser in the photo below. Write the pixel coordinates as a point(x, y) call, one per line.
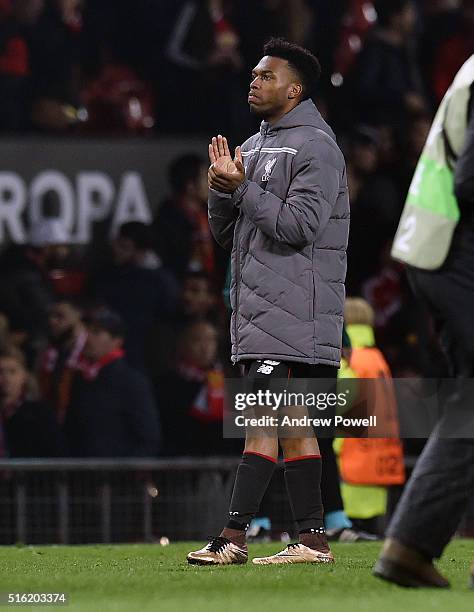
point(436, 495)
point(330, 478)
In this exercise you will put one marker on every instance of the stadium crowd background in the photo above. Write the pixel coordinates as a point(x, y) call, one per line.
point(153, 67)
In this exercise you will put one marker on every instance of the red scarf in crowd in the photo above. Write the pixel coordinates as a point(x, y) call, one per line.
point(91, 369)
point(202, 249)
point(209, 403)
point(50, 356)
point(58, 393)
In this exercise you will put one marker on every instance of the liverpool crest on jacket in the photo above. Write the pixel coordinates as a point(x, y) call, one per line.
point(269, 169)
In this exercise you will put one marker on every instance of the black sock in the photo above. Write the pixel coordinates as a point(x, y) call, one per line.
point(303, 483)
point(330, 479)
point(251, 482)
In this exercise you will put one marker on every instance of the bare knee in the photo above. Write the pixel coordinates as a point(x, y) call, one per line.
point(263, 445)
point(299, 447)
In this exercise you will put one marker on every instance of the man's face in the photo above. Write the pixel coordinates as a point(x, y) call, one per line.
point(54, 255)
point(124, 251)
point(365, 157)
point(198, 187)
point(28, 11)
point(197, 299)
point(63, 318)
point(68, 7)
point(202, 345)
point(272, 87)
point(100, 343)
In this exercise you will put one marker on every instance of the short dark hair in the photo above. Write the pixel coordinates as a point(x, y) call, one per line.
point(303, 62)
point(386, 9)
point(106, 320)
point(139, 233)
point(184, 169)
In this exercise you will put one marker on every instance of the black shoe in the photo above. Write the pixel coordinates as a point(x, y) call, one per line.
point(350, 535)
point(407, 567)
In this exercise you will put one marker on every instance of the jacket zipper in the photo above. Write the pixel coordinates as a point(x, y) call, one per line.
point(237, 294)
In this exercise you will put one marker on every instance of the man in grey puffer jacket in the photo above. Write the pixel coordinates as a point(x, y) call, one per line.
point(282, 206)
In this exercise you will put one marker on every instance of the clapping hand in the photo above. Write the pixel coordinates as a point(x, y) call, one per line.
point(225, 174)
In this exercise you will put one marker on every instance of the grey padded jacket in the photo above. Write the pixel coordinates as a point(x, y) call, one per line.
point(288, 227)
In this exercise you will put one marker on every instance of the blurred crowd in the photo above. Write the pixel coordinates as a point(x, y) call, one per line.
point(128, 358)
point(123, 66)
point(123, 359)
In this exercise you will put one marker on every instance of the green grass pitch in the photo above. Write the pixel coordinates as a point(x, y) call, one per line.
point(151, 577)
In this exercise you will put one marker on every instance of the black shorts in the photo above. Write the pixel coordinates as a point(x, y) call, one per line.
point(293, 377)
point(271, 368)
point(277, 376)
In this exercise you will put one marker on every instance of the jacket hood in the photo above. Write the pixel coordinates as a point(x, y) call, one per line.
point(305, 114)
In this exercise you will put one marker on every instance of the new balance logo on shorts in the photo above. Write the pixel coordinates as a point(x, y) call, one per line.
point(268, 366)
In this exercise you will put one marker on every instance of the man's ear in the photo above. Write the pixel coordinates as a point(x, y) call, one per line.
point(295, 91)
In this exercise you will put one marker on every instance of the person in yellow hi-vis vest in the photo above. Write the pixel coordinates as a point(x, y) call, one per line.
point(369, 465)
